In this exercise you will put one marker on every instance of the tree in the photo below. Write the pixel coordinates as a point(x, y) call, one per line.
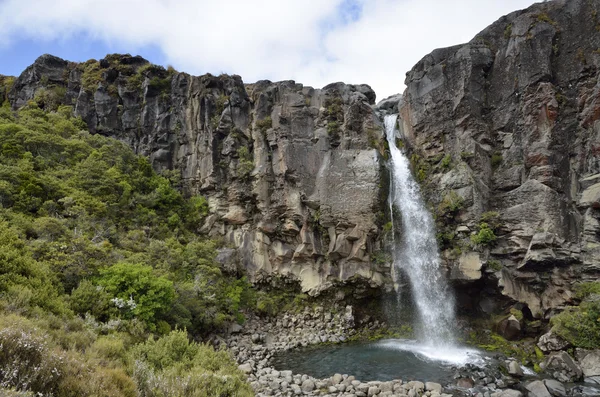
point(137, 291)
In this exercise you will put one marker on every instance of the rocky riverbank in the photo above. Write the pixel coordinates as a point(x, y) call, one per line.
point(258, 340)
point(256, 343)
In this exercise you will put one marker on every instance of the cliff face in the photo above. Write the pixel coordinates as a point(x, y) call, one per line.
point(291, 173)
point(506, 132)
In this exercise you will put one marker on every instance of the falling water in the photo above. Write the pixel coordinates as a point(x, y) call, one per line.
point(416, 255)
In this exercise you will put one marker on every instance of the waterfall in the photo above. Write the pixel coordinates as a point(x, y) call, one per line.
point(416, 255)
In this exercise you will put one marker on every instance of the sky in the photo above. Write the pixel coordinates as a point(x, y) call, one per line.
point(314, 42)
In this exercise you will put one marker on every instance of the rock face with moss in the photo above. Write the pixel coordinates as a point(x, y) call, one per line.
point(505, 132)
point(291, 173)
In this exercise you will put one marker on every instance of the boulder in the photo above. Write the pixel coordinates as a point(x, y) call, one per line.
point(562, 367)
point(550, 342)
point(245, 368)
point(507, 393)
point(308, 385)
point(555, 388)
point(537, 389)
point(589, 362)
point(434, 387)
point(510, 328)
point(514, 369)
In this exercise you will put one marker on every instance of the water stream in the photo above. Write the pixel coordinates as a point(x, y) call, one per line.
point(416, 252)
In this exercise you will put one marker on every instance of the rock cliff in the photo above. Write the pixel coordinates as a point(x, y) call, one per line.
point(291, 173)
point(505, 132)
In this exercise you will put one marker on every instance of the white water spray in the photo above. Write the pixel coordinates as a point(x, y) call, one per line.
point(417, 253)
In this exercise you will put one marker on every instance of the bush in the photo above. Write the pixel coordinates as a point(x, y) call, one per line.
point(264, 124)
point(579, 325)
point(451, 204)
point(245, 163)
point(446, 162)
point(585, 290)
point(137, 291)
point(26, 360)
point(485, 236)
point(174, 366)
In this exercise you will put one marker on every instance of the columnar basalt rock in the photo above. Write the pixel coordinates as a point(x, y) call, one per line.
point(509, 123)
point(291, 173)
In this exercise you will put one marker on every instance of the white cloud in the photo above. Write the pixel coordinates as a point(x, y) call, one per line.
point(303, 40)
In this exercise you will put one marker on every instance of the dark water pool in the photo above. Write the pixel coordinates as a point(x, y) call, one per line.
point(383, 360)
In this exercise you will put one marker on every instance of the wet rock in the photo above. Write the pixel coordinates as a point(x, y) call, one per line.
point(507, 393)
point(589, 361)
point(514, 369)
point(562, 367)
point(537, 389)
point(555, 388)
point(465, 383)
point(585, 391)
point(432, 386)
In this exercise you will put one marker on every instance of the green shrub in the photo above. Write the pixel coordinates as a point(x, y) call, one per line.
point(266, 305)
point(387, 227)
point(264, 124)
point(496, 159)
point(466, 155)
point(334, 108)
point(485, 236)
point(451, 204)
point(160, 84)
point(446, 162)
point(110, 347)
point(26, 359)
point(245, 163)
point(333, 129)
point(174, 366)
point(91, 76)
point(586, 289)
point(579, 325)
point(508, 31)
point(137, 291)
point(494, 265)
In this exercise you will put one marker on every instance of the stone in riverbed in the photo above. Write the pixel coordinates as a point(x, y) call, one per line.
point(337, 379)
point(589, 362)
point(514, 369)
point(245, 368)
point(373, 391)
point(555, 388)
point(507, 393)
point(415, 384)
point(296, 389)
point(465, 383)
point(432, 386)
point(562, 367)
point(308, 385)
point(537, 389)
